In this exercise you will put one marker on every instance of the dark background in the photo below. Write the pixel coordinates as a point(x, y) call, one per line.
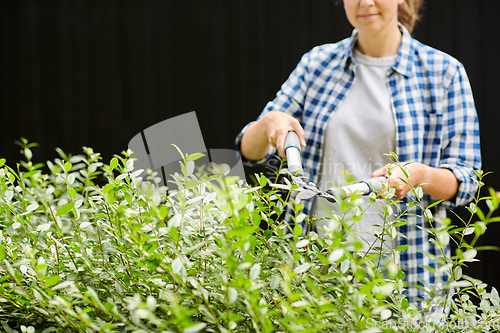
point(95, 72)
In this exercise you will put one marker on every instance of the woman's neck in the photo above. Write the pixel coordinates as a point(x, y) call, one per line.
point(382, 44)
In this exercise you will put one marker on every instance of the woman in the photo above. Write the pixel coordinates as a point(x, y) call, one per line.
point(379, 91)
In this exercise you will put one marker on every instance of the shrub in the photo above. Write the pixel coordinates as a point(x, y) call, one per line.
point(128, 257)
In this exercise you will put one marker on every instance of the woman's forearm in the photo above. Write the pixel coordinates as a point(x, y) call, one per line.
point(254, 143)
point(440, 183)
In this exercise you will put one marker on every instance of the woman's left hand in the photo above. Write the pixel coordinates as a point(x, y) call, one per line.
point(418, 174)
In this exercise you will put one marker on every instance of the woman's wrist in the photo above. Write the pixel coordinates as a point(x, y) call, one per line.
point(439, 183)
point(424, 174)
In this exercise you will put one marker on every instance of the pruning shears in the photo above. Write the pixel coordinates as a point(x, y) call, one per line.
point(310, 190)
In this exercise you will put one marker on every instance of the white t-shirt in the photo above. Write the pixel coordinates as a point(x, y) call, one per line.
point(358, 137)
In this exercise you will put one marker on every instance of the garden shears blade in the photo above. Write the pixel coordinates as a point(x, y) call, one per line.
point(310, 190)
point(306, 191)
point(293, 153)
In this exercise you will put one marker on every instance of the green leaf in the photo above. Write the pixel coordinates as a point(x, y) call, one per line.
point(302, 243)
point(114, 163)
point(195, 328)
point(67, 166)
point(360, 274)
point(242, 232)
point(107, 326)
point(401, 247)
point(480, 214)
point(62, 154)
point(110, 197)
point(255, 272)
point(262, 181)
point(335, 255)
point(7, 328)
point(394, 156)
point(400, 224)
point(434, 204)
point(195, 156)
point(358, 245)
point(65, 209)
point(2, 253)
point(494, 219)
point(190, 184)
point(484, 248)
point(405, 304)
point(31, 173)
point(419, 192)
point(108, 187)
point(72, 192)
point(109, 306)
point(174, 232)
point(297, 230)
point(2, 161)
point(163, 212)
point(53, 280)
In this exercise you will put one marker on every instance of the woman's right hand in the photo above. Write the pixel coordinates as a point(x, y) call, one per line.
point(276, 125)
point(270, 129)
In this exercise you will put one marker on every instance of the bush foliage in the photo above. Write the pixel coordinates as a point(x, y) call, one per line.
point(133, 257)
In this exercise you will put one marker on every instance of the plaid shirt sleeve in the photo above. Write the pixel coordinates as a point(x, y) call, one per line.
point(461, 149)
point(290, 99)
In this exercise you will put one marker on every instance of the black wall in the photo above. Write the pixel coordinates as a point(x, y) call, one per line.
point(96, 72)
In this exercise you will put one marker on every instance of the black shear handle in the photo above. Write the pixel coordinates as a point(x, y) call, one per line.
point(293, 153)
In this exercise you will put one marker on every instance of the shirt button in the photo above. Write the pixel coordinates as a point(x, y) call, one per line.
point(317, 146)
point(329, 109)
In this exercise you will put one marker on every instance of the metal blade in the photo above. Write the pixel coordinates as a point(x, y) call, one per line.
point(283, 187)
point(306, 194)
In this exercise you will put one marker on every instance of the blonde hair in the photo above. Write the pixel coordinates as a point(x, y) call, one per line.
point(408, 13)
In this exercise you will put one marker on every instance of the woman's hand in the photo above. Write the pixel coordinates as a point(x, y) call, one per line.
point(271, 129)
point(276, 127)
point(418, 173)
point(438, 182)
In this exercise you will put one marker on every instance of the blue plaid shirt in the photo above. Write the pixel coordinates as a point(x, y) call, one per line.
point(436, 124)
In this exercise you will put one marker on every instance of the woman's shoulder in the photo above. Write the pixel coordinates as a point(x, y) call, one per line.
point(329, 52)
point(433, 58)
point(435, 65)
point(332, 48)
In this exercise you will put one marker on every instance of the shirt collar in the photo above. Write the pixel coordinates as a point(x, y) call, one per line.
point(404, 60)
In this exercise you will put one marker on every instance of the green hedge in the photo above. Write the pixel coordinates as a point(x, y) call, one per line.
point(127, 257)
